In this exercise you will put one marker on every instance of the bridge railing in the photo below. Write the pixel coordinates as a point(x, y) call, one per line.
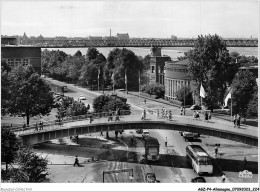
point(81, 120)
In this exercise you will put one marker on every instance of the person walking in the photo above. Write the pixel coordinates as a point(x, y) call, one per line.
point(206, 116)
point(209, 115)
point(245, 163)
point(158, 113)
point(166, 142)
point(170, 116)
point(76, 162)
point(36, 127)
point(24, 125)
point(181, 110)
point(223, 178)
point(144, 101)
point(235, 120)
point(238, 120)
point(216, 151)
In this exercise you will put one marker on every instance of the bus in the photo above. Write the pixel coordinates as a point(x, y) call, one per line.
point(199, 159)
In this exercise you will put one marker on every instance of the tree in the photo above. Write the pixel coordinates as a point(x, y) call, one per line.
point(154, 89)
point(253, 104)
point(9, 146)
point(29, 94)
point(92, 53)
point(104, 103)
point(243, 91)
point(210, 66)
point(32, 165)
point(188, 95)
point(78, 54)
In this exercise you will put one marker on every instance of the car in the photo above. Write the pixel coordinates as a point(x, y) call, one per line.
point(190, 136)
point(139, 131)
point(198, 180)
point(150, 178)
point(81, 97)
point(195, 107)
point(145, 134)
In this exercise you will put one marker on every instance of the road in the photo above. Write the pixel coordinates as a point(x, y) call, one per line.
point(172, 168)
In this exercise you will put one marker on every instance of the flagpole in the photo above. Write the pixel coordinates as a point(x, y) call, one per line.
point(126, 81)
point(98, 77)
point(231, 107)
point(139, 82)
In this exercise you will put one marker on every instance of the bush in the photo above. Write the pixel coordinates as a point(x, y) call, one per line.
point(104, 103)
point(154, 89)
point(188, 95)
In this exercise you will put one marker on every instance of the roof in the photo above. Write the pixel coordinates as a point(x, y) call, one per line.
point(183, 62)
point(151, 141)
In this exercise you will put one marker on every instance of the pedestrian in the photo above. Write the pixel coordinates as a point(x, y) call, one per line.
point(235, 120)
point(162, 113)
point(170, 116)
point(209, 115)
point(144, 101)
point(24, 125)
point(223, 178)
point(166, 142)
point(158, 113)
point(76, 162)
point(216, 151)
point(181, 110)
point(238, 120)
point(101, 133)
point(206, 116)
point(245, 163)
point(36, 127)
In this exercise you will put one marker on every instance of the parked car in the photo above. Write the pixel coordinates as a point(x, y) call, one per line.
point(139, 131)
point(195, 107)
point(81, 97)
point(145, 134)
point(150, 178)
point(198, 180)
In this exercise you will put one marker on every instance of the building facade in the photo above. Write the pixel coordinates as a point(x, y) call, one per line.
point(157, 64)
point(15, 55)
point(122, 36)
point(176, 77)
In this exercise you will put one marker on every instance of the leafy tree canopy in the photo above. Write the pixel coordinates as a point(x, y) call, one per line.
point(29, 94)
point(210, 66)
point(243, 88)
point(9, 146)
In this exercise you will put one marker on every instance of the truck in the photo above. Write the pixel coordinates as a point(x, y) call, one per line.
point(152, 147)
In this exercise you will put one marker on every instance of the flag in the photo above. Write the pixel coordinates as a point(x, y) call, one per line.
point(112, 77)
point(202, 92)
point(125, 77)
point(227, 98)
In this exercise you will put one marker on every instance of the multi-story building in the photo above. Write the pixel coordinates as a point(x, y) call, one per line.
point(15, 55)
point(157, 63)
point(122, 36)
point(176, 77)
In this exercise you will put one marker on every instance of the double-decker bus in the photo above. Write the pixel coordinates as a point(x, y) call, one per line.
point(199, 159)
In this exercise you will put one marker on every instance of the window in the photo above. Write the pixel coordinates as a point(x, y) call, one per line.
point(152, 69)
point(25, 61)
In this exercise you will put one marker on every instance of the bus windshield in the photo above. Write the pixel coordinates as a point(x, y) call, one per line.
point(204, 161)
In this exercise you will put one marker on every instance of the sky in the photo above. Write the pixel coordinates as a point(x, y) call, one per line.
point(142, 18)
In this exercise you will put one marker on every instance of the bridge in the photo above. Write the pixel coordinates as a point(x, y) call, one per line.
point(131, 43)
point(81, 125)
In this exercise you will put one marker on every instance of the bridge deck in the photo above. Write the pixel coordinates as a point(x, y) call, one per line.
point(188, 121)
